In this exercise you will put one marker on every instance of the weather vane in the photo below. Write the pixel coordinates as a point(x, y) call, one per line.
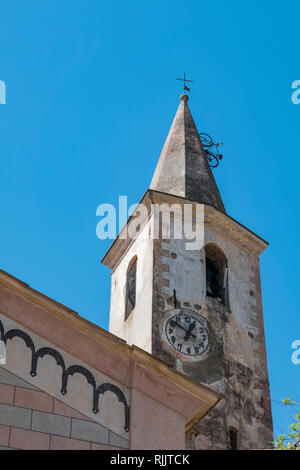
point(184, 80)
point(211, 148)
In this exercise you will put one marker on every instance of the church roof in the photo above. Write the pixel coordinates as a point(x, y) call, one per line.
point(183, 168)
point(127, 365)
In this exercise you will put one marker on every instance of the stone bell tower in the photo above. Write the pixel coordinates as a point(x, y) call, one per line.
point(186, 288)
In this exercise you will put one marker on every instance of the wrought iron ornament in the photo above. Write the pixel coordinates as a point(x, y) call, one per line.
point(211, 149)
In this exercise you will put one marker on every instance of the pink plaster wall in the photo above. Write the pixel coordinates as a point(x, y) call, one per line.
point(154, 426)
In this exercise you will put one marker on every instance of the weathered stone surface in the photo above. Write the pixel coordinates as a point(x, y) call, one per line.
point(236, 363)
point(50, 423)
point(14, 416)
point(89, 431)
point(183, 169)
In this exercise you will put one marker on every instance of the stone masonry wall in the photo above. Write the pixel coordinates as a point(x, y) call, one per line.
point(32, 419)
point(236, 364)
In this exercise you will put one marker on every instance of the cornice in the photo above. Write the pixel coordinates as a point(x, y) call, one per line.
point(214, 217)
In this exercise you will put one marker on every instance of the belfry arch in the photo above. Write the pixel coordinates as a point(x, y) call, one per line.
point(216, 273)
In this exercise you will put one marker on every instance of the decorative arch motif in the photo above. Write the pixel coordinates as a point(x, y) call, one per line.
point(108, 387)
point(46, 352)
point(66, 372)
point(20, 334)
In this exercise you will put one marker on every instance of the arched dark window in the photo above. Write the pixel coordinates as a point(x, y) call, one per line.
point(130, 295)
point(216, 273)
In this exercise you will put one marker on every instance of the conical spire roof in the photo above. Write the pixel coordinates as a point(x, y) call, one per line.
point(183, 168)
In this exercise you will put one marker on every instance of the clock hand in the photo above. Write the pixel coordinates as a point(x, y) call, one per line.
point(189, 331)
point(175, 323)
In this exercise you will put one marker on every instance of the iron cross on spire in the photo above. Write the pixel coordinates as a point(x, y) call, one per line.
point(184, 80)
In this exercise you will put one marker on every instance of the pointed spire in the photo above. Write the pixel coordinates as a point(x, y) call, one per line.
point(183, 168)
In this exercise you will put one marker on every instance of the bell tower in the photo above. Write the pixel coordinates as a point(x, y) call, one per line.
point(185, 287)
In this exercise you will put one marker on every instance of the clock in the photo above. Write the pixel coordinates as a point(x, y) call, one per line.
point(186, 332)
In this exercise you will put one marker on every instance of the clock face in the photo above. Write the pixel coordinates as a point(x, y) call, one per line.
point(187, 332)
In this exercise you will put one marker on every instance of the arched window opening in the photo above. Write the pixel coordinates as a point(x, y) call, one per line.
point(216, 274)
point(130, 295)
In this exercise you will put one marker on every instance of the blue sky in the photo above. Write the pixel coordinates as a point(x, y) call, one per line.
point(91, 93)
